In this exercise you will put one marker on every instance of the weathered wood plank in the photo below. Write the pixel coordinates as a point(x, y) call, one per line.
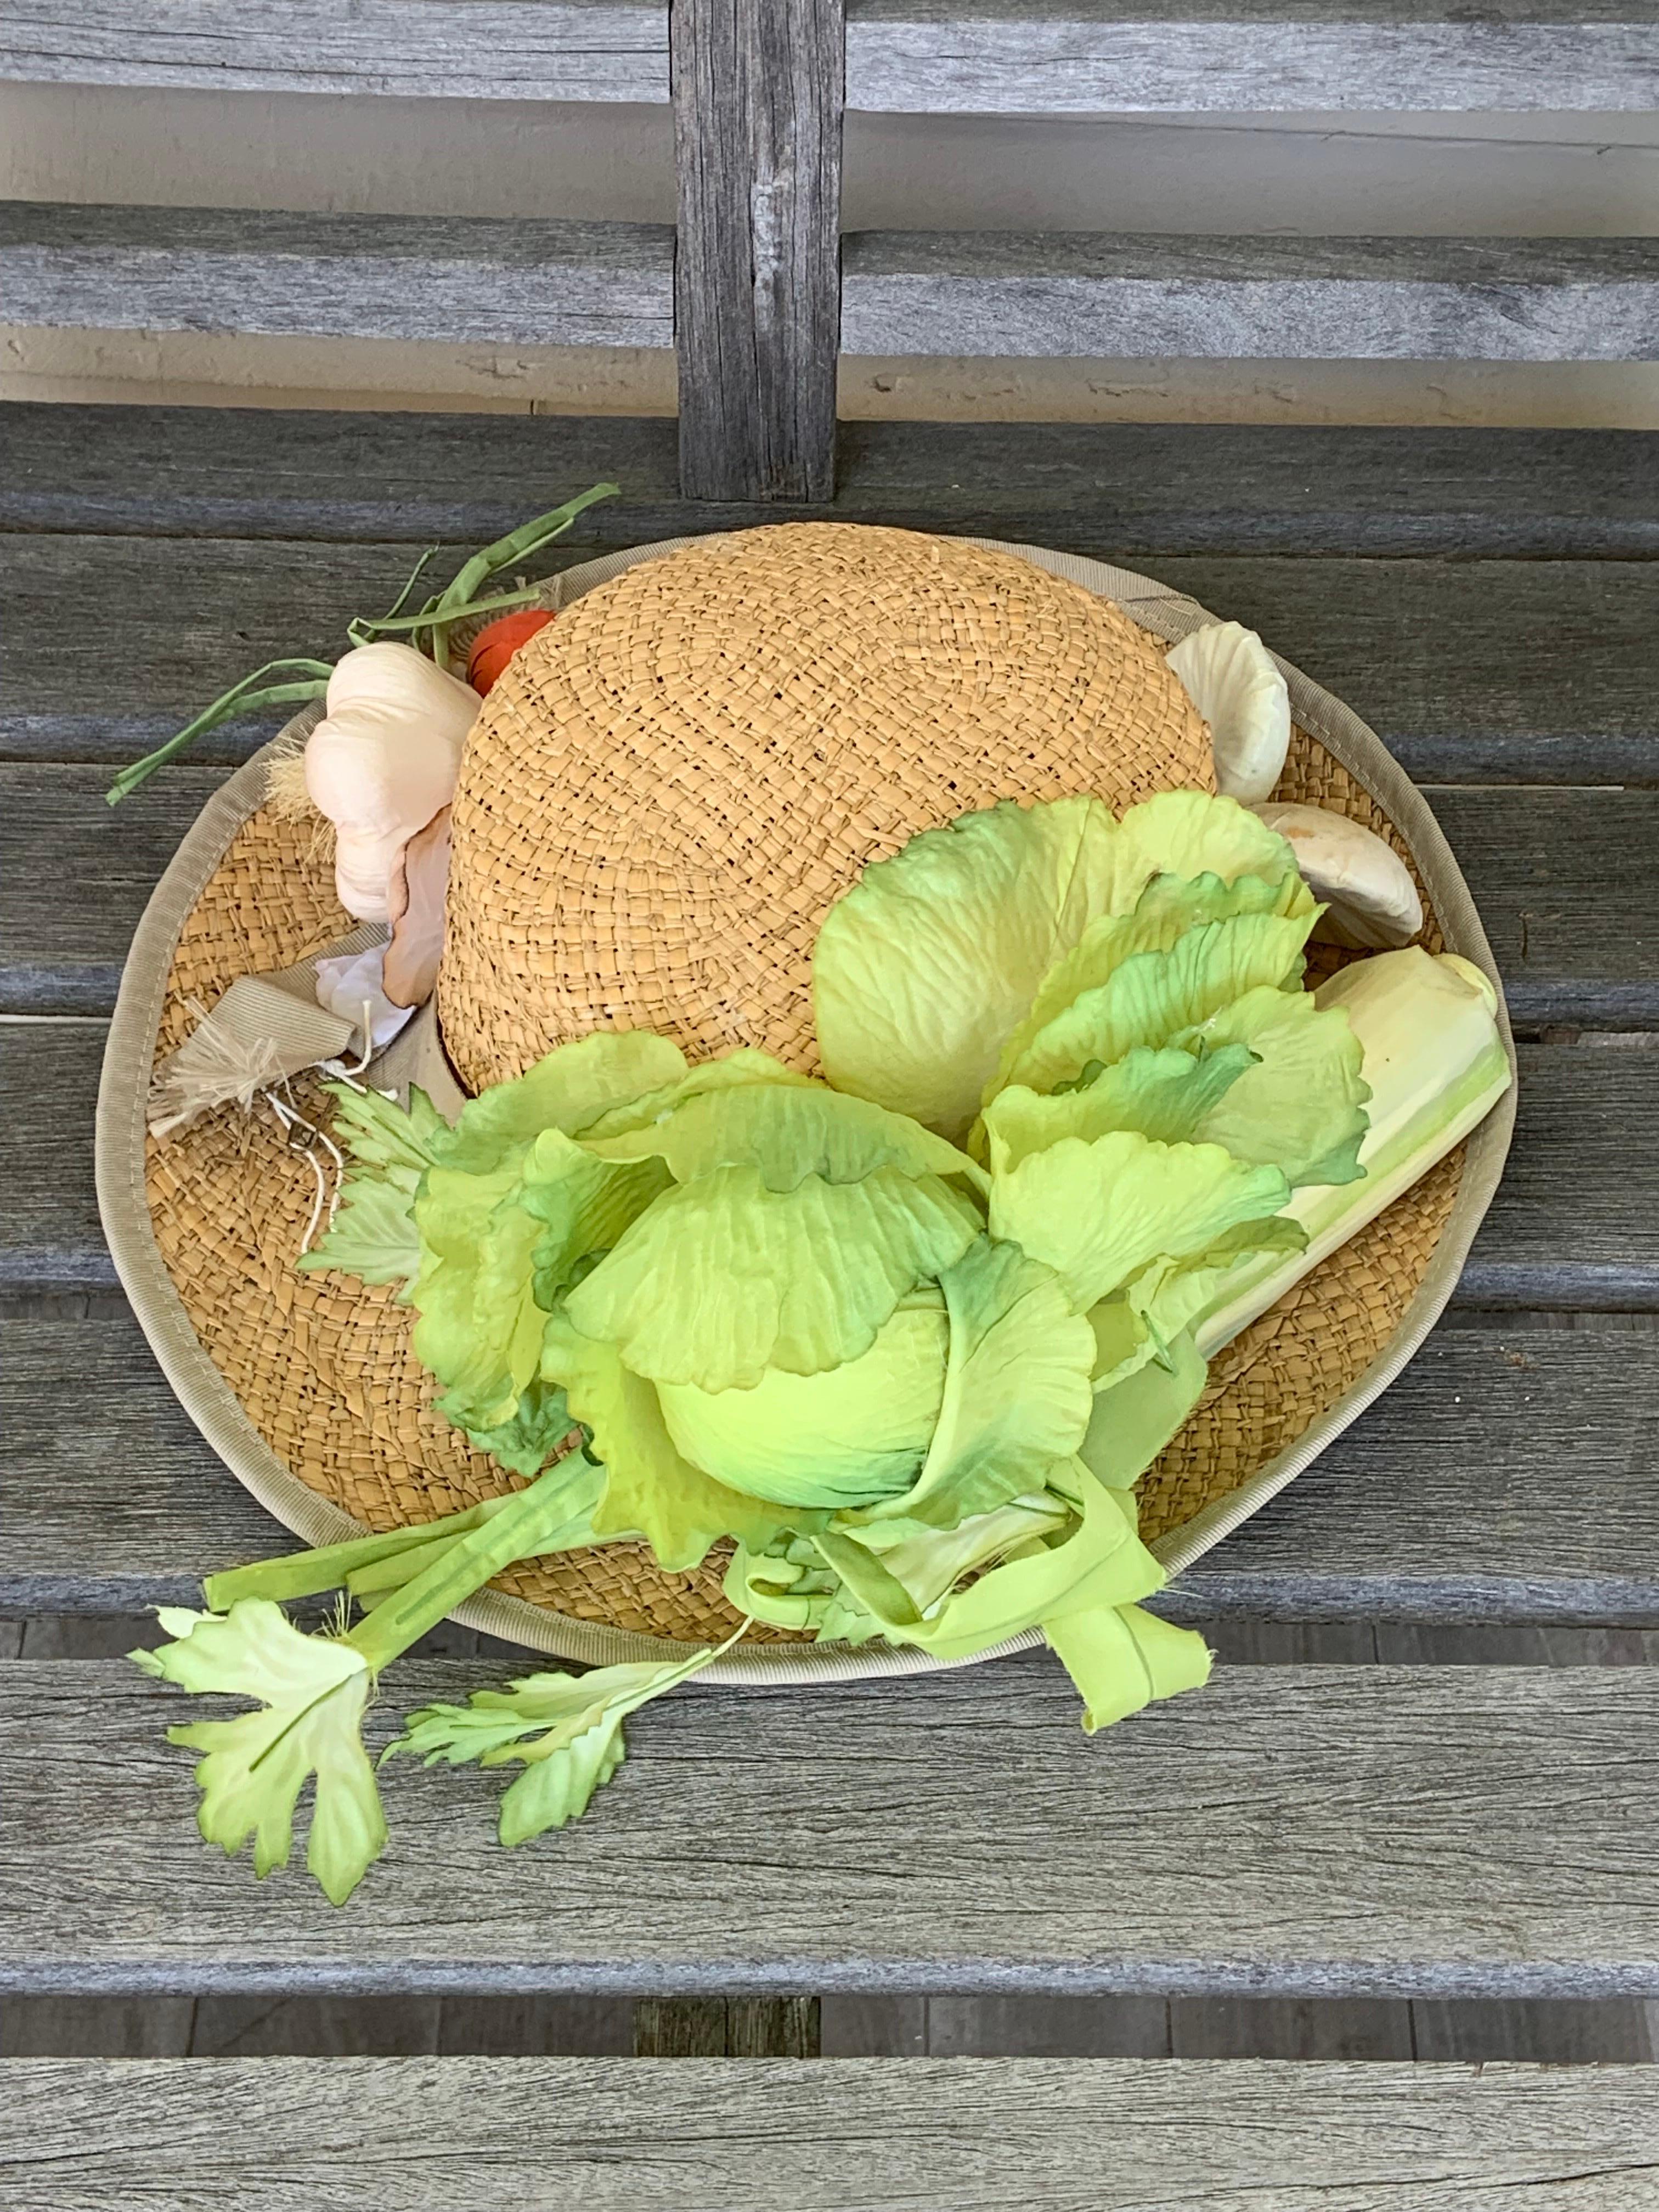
point(1169, 297)
point(1112, 57)
point(1316, 1831)
point(1508, 1475)
point(1142, 489)
point(726, 2028)
point(758, 109)
point(450, 277)
point(866, 2136)
point(566, 49)
point(1472, 671)
point(1562, 880)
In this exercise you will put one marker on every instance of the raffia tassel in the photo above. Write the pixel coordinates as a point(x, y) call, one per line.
point(287, 797)
point(211, 1067)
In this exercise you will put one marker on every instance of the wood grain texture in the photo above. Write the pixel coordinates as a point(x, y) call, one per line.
point(865, 2136)
point(1168, 297)
point(1561, 879)
point(1323, 1830)
point(1141, 489)
point(565, 50)
point(1109, 56)
point(1479, 672)
point(726, 2028)
point(1508, 1475)
point(757, 108)
point(451, 277)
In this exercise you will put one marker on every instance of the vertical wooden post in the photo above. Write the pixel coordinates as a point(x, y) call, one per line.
point(758, 87)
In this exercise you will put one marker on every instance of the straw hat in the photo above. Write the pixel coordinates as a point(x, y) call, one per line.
point(660, 800)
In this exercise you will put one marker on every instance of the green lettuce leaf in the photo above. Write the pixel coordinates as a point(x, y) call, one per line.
point(1133, 1418)
point(480, 1327)
point(1302, 1105)
point(790, 1584)
point(1098, 1213)
point(735, 1070)
point(1165, 1093)
point(722, 1278)
point(538, 1425)
point(923, 968)
point(651, 1488)
point(253, 1768)
point(572, 1086)
point(787, 1132)
point(1188, 833)
point(846, 1436)
point(1017, 1393)
point(1156, 996)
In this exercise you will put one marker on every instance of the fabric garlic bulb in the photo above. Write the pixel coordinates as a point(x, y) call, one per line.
point(383, 761)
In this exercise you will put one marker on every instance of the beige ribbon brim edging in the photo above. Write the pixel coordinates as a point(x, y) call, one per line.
point(209, 1400)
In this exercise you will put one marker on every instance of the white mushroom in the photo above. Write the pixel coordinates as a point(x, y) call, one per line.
point(1371, 902)
point(1234, 682)
point(383, 761)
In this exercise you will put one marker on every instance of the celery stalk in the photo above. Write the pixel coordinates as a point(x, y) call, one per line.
point(1436, 1066)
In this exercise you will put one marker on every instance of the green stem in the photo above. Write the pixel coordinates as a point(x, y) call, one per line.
point(415, 575)
point(554, 1514)
point(242, 698)
point(363, 627)
point(307, 1574)
point(517, 546)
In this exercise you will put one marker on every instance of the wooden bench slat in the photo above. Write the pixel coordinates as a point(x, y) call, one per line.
point(1561, 878)
point(452, 278)
point(1508, 1475)
point(1169, 297)
point(1310, 1831)
point(1573, 1225)
point(1138, 488)
point(565, 50)
point(1480, 672)
point(964, 2134)
point(1109, 56)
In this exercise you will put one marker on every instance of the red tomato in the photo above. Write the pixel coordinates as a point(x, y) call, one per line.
point(497, 641)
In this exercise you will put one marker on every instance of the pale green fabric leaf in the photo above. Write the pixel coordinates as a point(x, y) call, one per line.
point(480, 1327)
point(1169, 1295)
point(1121, 1657)
point(379, 1133)
point(1100, 1560)
point(570, 1087)
point(1134, 1418)
point(923, 968)
point(791, 1585)
point(1017, 1395)
point(584, 1205)
point(538, 1425)
point(1302, 1107)
point(566, 1729)
point(373, 1235)
point(1188, 833)
point(651, 1490)
point(787, 1132)
point(314, 1691)
point(1155, 996)
point(723, 1278)
point(1167, 907)
point(735, 1070)
point(1098, 1213)
point(846, 1436)
point(1163, 1093)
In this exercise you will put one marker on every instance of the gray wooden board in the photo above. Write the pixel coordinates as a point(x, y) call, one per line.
point(1169, 297)
point(757, 131)
point(1106, 57)
point(450, 277)
point(563, 50)
point(1315, 1831)
point(1508, 1475)
point(1562, 880)
point(1139, 489)
point(1480, 672)
point(862, 2135)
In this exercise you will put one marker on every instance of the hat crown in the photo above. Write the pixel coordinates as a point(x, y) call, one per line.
point(673, 781)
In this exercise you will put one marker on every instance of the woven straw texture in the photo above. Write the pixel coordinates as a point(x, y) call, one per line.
point(322, 1366)
point(674, 780)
